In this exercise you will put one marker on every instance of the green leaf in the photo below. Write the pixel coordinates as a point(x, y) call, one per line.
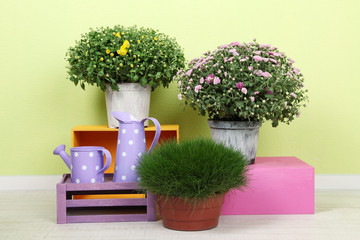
point(239, 104)
point(158, 75)
point(101, 73)
point(143, 81)
point(136, 78)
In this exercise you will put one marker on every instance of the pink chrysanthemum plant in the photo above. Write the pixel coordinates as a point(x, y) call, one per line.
point(244, 82)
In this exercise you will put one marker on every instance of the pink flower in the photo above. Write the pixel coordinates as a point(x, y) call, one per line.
point(188, 87)
point(179, 83)
point(179, 72)
point(188, 73)
point(190, 80)
point(293, 95)
point(266, 75)
point(256, 93)
point(225, 73)
point(257, 52)
point(179, 96)
point(197, 88)
point(269, 92)
point(257, 58)
point(273, 60)
point(298, 115)
point(217, 80)
point(230, 59)
point(250, 68)
point(258, 72)
point(292, 61)
point(232, 50)
point(209, 78)
point(202, 80)
point(219, 71)
point(240, 85)
point(244, 90)
point(265, 59)
point(243, 60)
point(252, 99)
point(234, 43)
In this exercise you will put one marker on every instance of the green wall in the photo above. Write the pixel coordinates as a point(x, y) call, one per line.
point(39, 106)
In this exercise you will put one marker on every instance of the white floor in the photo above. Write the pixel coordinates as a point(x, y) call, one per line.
point(32, 215)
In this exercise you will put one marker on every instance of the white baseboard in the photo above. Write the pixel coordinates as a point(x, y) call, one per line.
point(48, 182)
point(33, 182)
point(337, 181)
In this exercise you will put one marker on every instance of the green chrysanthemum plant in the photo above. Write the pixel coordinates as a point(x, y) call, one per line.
point(124, 55)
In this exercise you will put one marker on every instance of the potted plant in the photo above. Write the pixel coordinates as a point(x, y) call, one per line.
point(240, 86)
point(190, 179)
point(126, 63)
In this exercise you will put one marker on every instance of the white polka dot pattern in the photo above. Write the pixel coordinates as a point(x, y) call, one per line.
point(84, 167)
point(91, 154)
point(93, 180)
point(131, 142)
point(123, 178)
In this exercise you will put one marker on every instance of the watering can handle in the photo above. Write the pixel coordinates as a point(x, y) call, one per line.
point(157, 132)
point(108, 161)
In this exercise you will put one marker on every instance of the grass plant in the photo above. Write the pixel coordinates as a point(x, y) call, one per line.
point(193, 169)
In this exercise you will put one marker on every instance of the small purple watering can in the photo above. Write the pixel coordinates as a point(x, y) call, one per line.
point(131, 145)
point(86, 163)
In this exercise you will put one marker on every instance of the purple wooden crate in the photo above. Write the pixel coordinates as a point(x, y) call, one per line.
point(70, 210)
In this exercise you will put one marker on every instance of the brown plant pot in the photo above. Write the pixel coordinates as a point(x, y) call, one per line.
point(179, 214)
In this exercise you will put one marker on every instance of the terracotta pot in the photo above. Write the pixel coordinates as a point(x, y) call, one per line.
point(183, 215)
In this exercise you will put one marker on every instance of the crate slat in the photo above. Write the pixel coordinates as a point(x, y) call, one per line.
point(107, 218)
point(106, 202)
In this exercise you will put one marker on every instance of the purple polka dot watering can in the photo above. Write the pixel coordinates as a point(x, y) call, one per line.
point(131, 145)
point(86, 163)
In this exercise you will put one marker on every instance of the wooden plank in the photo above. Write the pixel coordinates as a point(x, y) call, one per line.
point(151, 207)
point(106, 218)
point(102, 186)
point(106, 202)
point(61, 203)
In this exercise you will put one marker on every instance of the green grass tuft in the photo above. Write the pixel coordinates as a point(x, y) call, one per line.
point(196, 169)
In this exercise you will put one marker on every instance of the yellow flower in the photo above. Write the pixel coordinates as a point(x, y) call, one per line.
point(101, 59)
point(122, 33)
point(122, 51)
point(142, 37)
point(126, 44)
point(138, 41)
point(134, 56)
point(111, 54)
point(155, 38)
point(131, 65)
point(117, 34)
point(108, 51)
point(121, 64)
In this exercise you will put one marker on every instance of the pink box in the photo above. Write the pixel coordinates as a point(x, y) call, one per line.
point(277, 185)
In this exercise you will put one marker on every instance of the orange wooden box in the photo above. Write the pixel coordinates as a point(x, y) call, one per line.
point(101, 135)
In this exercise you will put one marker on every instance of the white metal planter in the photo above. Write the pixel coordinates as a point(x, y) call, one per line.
point(243, 136)
point(131, 98)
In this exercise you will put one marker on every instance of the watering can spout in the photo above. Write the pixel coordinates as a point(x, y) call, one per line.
point(60, 150)
point(124, 117)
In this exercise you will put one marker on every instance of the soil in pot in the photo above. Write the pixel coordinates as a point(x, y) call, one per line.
point(178, 214)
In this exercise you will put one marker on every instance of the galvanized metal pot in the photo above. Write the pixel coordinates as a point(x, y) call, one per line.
point(131, 98)
point(243, 136)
